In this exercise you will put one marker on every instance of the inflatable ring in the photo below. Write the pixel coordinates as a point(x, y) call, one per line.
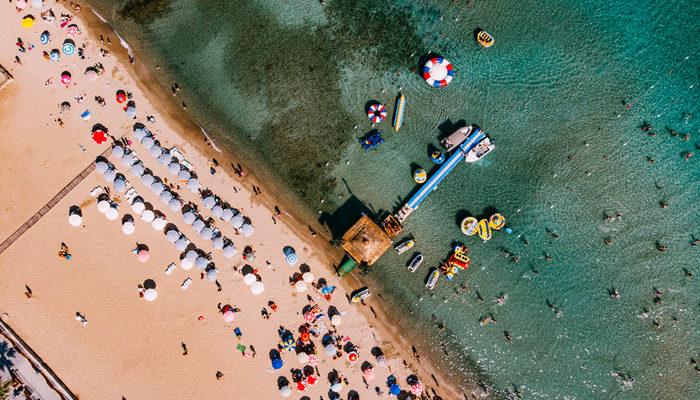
point(420, 176)
point(469, 226)
point(484, 230)
point(376, 113)
point(438, 72)
point(497, 221)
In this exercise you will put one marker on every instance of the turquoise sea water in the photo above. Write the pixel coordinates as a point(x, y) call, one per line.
point(286, 82)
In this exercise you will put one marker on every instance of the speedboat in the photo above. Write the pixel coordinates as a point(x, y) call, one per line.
point(398, 112)
point(433, 279)
point(479, 151)
point(484, 38)
point(360, 294)
point(415, 262)
point(372, 141)
point(458, 137)
point(469, 226)
point(405, 245)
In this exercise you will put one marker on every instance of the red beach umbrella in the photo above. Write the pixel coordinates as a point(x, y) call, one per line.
point(99, 136)
point(353, 356)
point(121, 96)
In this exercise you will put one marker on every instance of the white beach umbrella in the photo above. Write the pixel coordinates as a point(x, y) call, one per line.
point(257, 288)
point(148, 216)
point(101, 167)
point(247, 230)
point(229, 251)
point(198, 225)
point(216, 211)
point(206, 233)
point(119, 185)
point(140, 133)
point(336, 320)
point(166, 196)
point(138, 206)
point(137, 169)
point(249, 279)
point(172, 235)
point(174, 168)
point(75, 220)
point(337, 387)
point(300, 286)
point(156, 151)
point(227, 214)
point(186, 264)
point(184, 175)
point(37, 3)
point(189, 217)
point(193, 185)
point(159, 223)
point(164, 159)
point(110, 174)
point(147, 179)
point(308, 277)
point(157, 188)
point(111, 213)
point(118, 151)
point(102, 206)
point(303, 358)
point(218, 243)
point(128, 160)
point(150, 294)
point(201, 263)
point(128, 228)
point(175, 204)
point(148, 142)
point(285, 391)
point(211, 274)
point(181, 243)
point(191, 255)
point(237, 221)
point(330, 350)
point(209, 202)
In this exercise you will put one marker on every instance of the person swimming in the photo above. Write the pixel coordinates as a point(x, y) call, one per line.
point(614, 293)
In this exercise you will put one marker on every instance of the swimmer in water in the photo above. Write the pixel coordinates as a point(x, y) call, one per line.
point(663, 204)
point(607, 241)
point(508, 337)
point(501, 299)
point(614, 293)
point(547, 256)
point(661, 248)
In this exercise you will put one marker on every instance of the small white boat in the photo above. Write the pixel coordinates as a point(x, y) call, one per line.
point(479, 151)
point(432, 280)
point(404, 246)
point(415, 262)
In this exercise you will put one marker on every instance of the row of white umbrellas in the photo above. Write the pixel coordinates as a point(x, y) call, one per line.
point(228, 214)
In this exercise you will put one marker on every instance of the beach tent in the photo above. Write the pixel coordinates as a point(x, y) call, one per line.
point(181, 243)
point(237, 221)
point(186, 264)
point(300, 286)
point(164, 159)
point(247, 230)
point(277, 363)
point(159, 223)
point(193, 185)
point(206, 233)
point(137, 169)
point(257, 288)
point(91, 74)
point(131, 112)
point(103, 206)
point(175, 204)
point(148, 142)
point(75, 219)
point(110, 174)
point(147, 179)
point(101, 167)
point(330, 350)
point(172, 235)
point(228, 316)
point(157, 188)
point(227, 214)
point(111, 213)
point(128, 159)
point(229, 251)
point(209, 202)
point(216, 211)
point(150, 294)
point(198, 225)
point(249, 279)
point(143, 255)
point(137, 205)
point(189, 217)
point(128, 228)
point(118, 151)
point(217, 243)
point(308, 277)
point(174, 168)
point(184, 175)
point(201, 263)
point(148, 216)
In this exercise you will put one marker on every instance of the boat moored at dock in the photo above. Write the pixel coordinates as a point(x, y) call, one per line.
point(458, 137)
point(479, 151)
point(404, 246)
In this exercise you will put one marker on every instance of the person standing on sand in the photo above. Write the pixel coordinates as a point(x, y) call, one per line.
point(184, 348)
point(219, 374)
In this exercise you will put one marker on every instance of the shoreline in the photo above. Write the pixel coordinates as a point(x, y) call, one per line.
point(195, 135)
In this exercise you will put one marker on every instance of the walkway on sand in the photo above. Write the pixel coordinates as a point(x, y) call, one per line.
point(45, 209)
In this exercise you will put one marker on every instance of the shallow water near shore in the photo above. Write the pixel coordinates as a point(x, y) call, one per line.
point(286, 82)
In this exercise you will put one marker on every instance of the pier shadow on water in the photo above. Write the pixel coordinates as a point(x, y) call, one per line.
point(345, 216)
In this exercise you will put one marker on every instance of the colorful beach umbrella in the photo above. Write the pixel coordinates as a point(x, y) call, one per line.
point(143, 255)
point(28, 21)
point(277, 363)
point(54, 55)
point(65, 77)
point(44, 38)
point(68, 47)
point(376, 113)
point(289, 344)
point(121, 97)
point(228, 316)
point(353, 357)
point(73, 30)
point(99, 136)
point(438, 72)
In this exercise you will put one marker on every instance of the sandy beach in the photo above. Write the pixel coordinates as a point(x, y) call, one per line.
point(131, 348)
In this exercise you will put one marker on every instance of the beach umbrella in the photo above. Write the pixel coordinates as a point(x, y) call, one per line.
point(228, 316)
point(217, 243)
point(111, 213)
point(353, 357)
point(175, 204)
point(172, 235)
point(101, 167)
point(237, 221)
point(206, 233)
point(186, 264)
point(300, 286)
point(395, 389)
point(337, 387)
point(109, 175)
point(44, 38)
point(417, 388)
point(73, 30)
point(247, 230)
point(137, 169)
point(164, 159)
point(121, 97)
point(211, 274)
point(156, 151)
point(131, 112)
point(381, 361)
point(65, 77)
point(140, 133)
point(198, 225)
point(438, 72)
point(65, 107)
point(184, 175)
point(376, 113)
point(148, 142)
point(291, 258)
point(91, 74)
point(28, 21)
point(209, 202)
point(128, 159)
point(174, 168)
point(189, 217)
point(150, 294)
point(285, 391)
point(138, 207)
point(128, 228)
point(216, 211)
point(308, 277)
point(99, 136)
point(159, 223)
point(181, 243)
point(143, 255)
point(257, 288)
point(20, 4)
point(68, 47)
point(157, 188)
point(37, 3)
point(303, 358)
point(249, 279)
point(201, 263)
point(75, 220)
point(147, 179)
point(336, 320)
point(229, 251)
point(54, 55)
point(289, 344)
point(191, 255)
point(193, 185)
point(330, 350)
point(277, 364)
point(102, 206)
point(227, 214)
point(118, 151)
point(148, 216)
point(313, 360)
point(119, 185)
point(368, 374)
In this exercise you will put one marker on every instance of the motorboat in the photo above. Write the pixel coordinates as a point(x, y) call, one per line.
point(484, 39)
point(360, 295)
point(458, 137)
point(433, 279)
point(405, 245)
point(469, 226)
point(372, 141)
point(479, 151)
point(415, 262)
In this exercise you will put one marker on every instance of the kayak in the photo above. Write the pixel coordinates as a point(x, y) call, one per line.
point(404, 246)
point(398, 113)
point(432, 279)
point(360, 294)
point(469, 226)
point(484, 230)
point(415, 262)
